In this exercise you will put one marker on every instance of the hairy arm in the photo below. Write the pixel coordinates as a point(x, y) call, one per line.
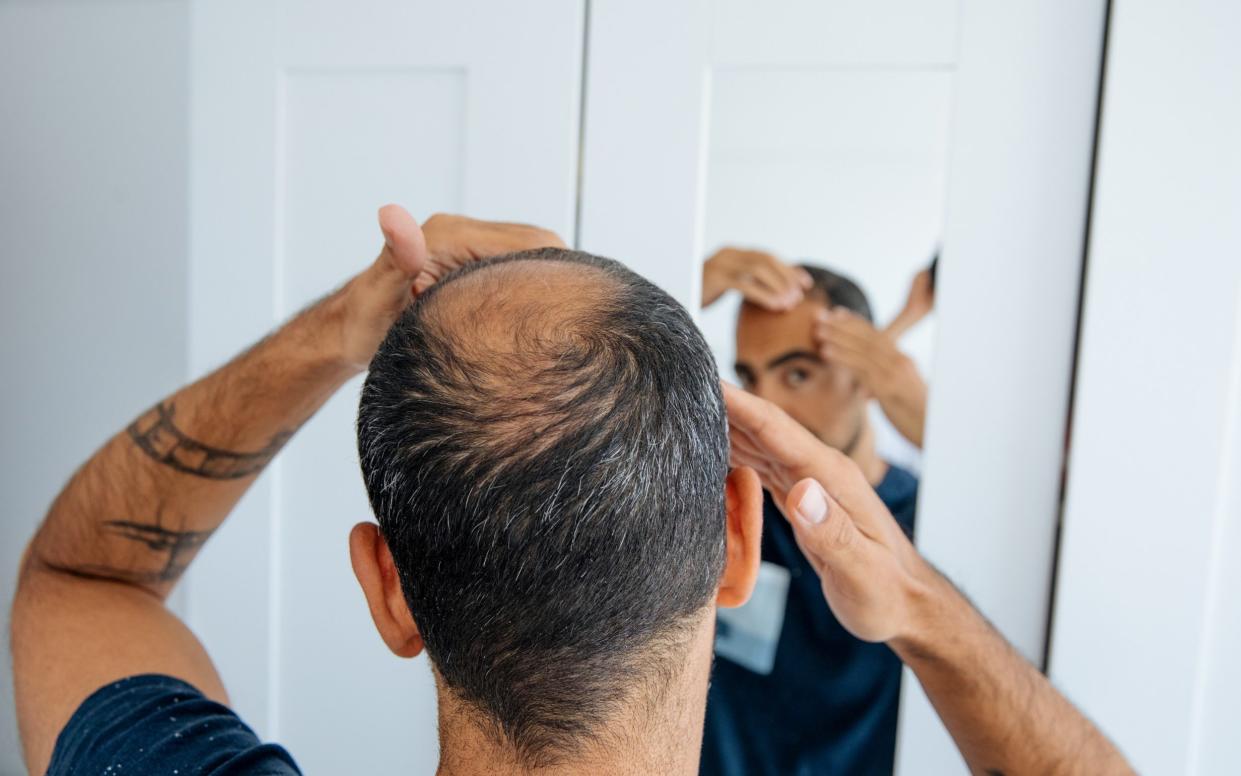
point(1004, 715)
point(89, 607)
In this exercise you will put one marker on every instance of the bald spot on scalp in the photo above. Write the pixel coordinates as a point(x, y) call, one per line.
point(522, 341)
point(498, 311)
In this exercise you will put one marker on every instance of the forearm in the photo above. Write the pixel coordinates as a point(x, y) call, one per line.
point(907, 411)
point(142, 506)
point(1004, 715)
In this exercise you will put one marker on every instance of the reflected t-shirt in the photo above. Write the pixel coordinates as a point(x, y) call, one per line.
point(829, 704)
point(156, 725)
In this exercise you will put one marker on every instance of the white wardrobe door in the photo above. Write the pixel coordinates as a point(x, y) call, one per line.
point(1147, 624)
point(306, 117)
point(668, 141)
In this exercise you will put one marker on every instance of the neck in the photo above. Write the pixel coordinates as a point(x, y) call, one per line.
point(643, 737)
point(866, 457)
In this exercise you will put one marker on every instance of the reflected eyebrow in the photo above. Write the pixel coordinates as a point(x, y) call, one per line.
point(794, 355)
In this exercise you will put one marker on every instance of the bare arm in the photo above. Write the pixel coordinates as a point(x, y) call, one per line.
point(1004, 715)
point(918, 303)
point(89, 608)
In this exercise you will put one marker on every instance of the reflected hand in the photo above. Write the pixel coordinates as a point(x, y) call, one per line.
point(871, 574)
point(413, 258)
point(918, 305)
point(760, 277)
point(883, 369)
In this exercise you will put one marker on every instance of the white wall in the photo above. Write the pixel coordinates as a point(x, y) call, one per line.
point(1018, 188)
point(1147, 624)
point(93, 243)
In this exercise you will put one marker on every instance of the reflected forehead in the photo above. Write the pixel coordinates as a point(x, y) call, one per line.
point(764, 335)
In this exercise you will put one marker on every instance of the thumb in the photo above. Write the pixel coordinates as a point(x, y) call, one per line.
point(824, 530)
point(405, 247)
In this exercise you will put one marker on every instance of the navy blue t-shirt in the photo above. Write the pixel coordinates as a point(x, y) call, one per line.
point(829, 704)
point(160, 726)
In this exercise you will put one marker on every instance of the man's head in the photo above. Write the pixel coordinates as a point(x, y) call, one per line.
point(544, 444)
point(777, 359)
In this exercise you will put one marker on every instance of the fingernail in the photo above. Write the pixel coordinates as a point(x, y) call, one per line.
point(813, 507)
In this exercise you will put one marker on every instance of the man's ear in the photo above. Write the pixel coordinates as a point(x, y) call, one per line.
point(376, 573)
point(743, 501)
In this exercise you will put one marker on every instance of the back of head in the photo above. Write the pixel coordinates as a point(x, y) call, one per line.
point(838, 291)
point(544, 444)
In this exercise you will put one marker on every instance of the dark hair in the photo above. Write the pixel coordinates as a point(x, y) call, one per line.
point(549, 476)
point(839, 291)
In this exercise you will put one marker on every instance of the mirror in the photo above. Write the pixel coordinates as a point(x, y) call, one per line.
point(823, 217)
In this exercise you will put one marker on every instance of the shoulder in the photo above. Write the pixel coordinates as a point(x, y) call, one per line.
point(157, 724)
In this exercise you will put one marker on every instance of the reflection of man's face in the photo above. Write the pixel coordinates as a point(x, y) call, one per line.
point(777, 360)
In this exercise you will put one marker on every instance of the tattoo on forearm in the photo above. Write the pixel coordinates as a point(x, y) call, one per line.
point(157, 435)
point(174, 549)
point(180, 546)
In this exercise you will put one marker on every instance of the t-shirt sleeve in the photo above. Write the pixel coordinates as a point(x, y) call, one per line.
point(154, 724)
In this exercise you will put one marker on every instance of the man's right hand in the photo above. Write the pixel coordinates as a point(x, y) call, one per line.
point(760, 277)
point(871, 574)
point(1003, 714)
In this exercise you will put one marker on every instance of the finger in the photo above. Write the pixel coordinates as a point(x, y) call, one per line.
point(795, 276)
point(506, 237)
point(823, 528)
point(862, 363)
point(842, 344)
point(760, 430)
point(804, 278)
point(454, 241)
point(836, 347)
point(849, 321)
point(764, 430)
point(757, 292)
point(830, 333)
point(405, 246)
point(780, 278)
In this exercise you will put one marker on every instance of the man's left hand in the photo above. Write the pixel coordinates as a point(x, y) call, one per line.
point(414, 258)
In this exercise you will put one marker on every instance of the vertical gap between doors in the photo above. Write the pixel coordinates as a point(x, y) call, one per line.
point(1077, 344)
point(581, 127)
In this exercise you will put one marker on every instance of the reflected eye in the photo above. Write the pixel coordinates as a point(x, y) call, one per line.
point(795, 377)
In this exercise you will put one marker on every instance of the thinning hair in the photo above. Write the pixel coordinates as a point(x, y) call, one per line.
point(544, 444)
point(838, 290)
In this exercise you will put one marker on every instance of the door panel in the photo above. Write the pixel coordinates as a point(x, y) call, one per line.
point(306, 118)
point(698, 140)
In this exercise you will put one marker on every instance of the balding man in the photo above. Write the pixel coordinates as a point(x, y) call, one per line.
point(544, 443)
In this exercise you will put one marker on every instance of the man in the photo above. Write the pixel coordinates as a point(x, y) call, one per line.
point(802, 695)
point(557, 524)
